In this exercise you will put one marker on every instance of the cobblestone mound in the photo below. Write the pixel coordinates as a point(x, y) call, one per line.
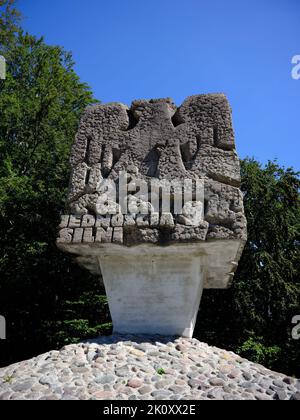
point(128, 367)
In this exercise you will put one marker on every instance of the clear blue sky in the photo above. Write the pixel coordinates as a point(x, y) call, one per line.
point(129, 49)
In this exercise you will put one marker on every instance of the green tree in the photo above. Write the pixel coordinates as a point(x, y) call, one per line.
point(46, 299)
point(9, 22)
point(254, 316)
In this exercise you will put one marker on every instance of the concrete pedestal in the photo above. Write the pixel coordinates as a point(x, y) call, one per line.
point(157, 289)
point(153, 292)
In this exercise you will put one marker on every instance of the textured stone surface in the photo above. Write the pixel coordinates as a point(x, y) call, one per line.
point(154, 140)
point(123, 367)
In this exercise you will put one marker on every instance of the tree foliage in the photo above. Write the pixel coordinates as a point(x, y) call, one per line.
point(254, 316)
point(46, 299)
point(9, 22)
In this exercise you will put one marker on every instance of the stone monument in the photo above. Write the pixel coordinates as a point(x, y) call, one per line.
point(154, 206)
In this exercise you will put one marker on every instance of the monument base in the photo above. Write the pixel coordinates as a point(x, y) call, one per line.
point(157, 289)
point(152, 291)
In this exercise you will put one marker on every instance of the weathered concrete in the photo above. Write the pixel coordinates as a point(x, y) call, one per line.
point(153, 290)
point(155, 259)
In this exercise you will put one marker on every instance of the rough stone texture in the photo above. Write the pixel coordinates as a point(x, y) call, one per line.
point(123, 367)
point(155, 140)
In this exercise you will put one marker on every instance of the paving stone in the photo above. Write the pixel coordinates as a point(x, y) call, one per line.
point(66, 375)
point(105, 379)
point(146, 389)
point(135, 383)
point(216, 382)
point(22, 386)
point(295, 396)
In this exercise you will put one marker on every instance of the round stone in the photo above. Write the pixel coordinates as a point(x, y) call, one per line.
point(134, 383)
point(22, 386)
point(280, 395)
point(216, 382)
point(146, 389)
point(247, 376)
point(295, 396)
point(181, 348)
point(105, 379)
point(278, 383)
